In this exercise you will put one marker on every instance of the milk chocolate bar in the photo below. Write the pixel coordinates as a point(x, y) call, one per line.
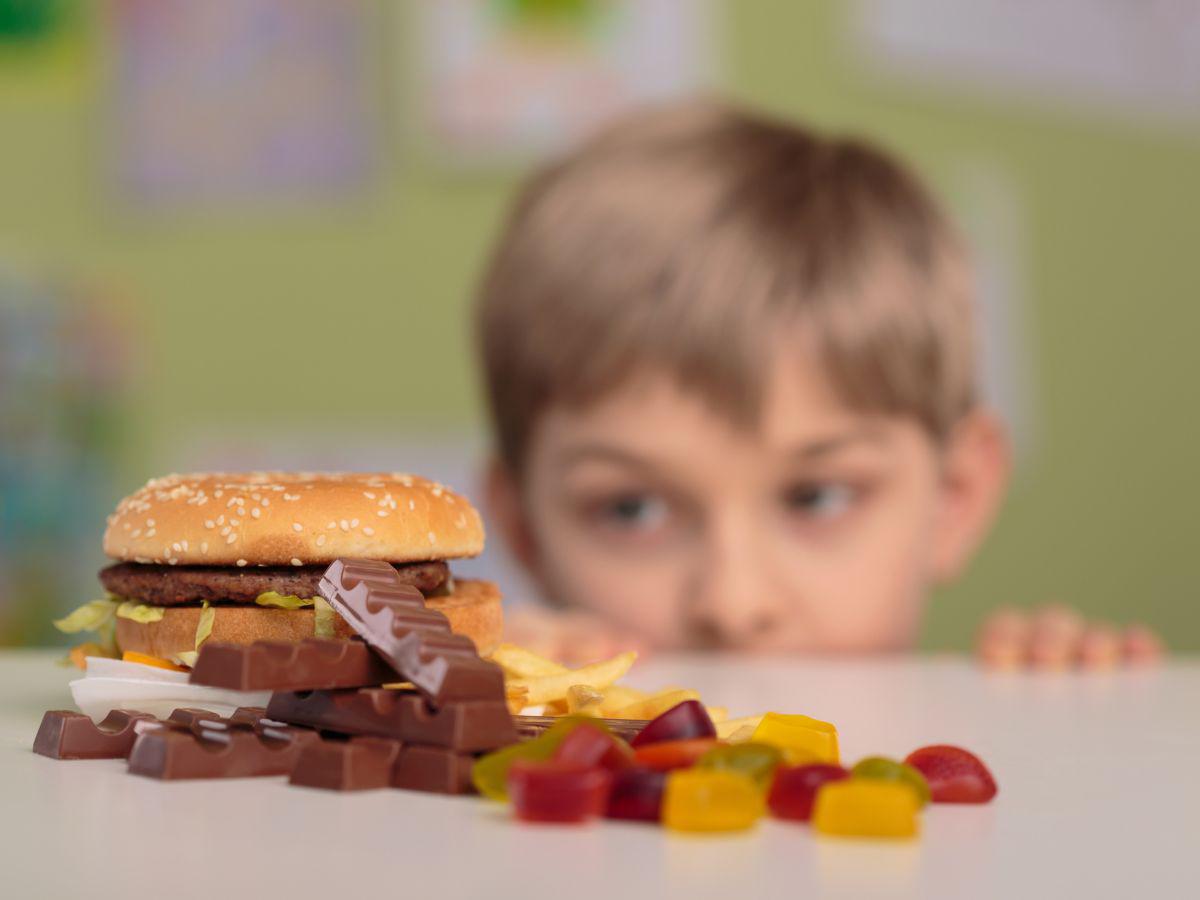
point(446, 667)
point(288, 666)
point(176, 751)
point(64, 734)
point(529, 727)
point(359, 764)
point(436, 769)
point(468, 725)
point(368, 594)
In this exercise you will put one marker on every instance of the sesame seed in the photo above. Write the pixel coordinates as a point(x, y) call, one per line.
point(221, 519)
point(461, 521)
point(432, 538)
point(235, 522)
point(135, 533)
point(150, 523)
point(332, 525)
point(126, 526)
point(150, 533)
point(437, 491)
point(231, 539)
point(204, 547)
point(209, 523)
point(345, 525)
point(241, 562)
point(296, 562)
point(218, 494)
point(368, 530)
point(256, 496)
point(297, 526)
point(172, 560)
point(183, 544)
point(354, 523)
point(233, 501)
point(266, 501)
point(320, 540)
point(412, 504)
point(256, 512)
point(382, 513)
point(176, 547)
point(226, 530)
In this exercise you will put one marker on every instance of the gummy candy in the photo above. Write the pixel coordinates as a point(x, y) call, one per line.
point(866, 807)
point(710, 800)
point(667, 755)
point(636, 793)
point(799, 733)
point(795, 789)
point(955, 775)
point(489, 774)
point(590, 746)
point(759, 761)
point(688, 719)
point(882, 768)
point(557, 791)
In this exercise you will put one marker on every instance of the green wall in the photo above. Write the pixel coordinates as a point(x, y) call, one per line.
point(261, 317)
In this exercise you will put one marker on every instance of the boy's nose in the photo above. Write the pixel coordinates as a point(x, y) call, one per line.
point(731, 601)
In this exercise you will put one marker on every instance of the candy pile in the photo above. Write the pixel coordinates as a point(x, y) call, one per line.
point(411, 705)
point(676, 771)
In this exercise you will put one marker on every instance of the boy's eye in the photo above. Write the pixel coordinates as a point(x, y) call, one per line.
point(820, 500)
point(643, 512)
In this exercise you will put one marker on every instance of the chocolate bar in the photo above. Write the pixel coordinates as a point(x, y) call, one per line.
point(200, 750)
point(446, 667)
point(393, 619)
point(467, 725)
point(287, 666)
point(531, 726)
point(359, 764)
point(436, 769)
point(64, 734)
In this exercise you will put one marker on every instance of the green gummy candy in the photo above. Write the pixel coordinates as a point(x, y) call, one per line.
point(884, 769)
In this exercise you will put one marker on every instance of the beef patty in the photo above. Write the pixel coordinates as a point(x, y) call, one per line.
point(176, 585)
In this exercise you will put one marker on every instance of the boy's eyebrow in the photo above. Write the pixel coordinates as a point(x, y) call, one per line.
point(827, 446)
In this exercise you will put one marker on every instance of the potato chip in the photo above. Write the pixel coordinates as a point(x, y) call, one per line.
point(548, 688)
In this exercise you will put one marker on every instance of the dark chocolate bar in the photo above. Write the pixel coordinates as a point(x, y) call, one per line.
point(531, 726)
point(195, 750)
point(446, 667)
point(359, 764)
point(436, 769)
point(289, 666)
point(64, 734)
point(468, 725)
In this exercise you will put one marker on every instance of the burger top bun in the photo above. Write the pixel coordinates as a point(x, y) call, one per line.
point(296, 518)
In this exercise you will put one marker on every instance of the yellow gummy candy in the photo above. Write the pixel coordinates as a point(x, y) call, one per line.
point(799, 734)
point(861, 807)
point(710, 800)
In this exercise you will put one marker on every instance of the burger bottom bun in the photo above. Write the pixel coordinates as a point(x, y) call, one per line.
point(473, 610)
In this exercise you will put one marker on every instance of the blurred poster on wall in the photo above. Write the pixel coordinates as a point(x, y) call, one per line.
point(233, 100)
point(507, 80)
point(1135, 58)
point(66, 366)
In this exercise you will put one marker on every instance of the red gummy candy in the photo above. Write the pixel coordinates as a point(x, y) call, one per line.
point(557, 791)
point(955, 775)
point(795, 789)
point(589, 746)
point(666, 755)
point(637, 794)
point(685, 720)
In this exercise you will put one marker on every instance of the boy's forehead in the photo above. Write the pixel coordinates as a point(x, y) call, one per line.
point(799, 410)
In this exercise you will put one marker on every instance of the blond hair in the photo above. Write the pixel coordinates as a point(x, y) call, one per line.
point(690, 239)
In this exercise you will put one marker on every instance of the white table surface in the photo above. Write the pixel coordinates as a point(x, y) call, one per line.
point(1099, 797)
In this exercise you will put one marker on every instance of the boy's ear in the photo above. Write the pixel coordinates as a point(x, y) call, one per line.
point(975, 471)
point(503, 498)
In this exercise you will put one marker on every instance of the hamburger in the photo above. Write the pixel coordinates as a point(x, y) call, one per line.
point(237, 556)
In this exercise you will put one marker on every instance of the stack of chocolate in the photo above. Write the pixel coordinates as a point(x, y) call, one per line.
point(330, 722)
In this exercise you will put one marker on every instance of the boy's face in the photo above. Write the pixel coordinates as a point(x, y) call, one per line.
point(822, 530)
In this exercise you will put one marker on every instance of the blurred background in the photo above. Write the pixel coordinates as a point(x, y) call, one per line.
point(246, 233)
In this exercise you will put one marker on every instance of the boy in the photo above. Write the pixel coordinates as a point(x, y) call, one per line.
point(731, 373)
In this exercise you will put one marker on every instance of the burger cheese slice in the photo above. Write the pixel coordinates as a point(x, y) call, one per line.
point(237, 557)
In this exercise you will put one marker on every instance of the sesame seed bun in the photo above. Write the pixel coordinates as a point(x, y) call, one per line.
point(473, 610)
point(291, 518)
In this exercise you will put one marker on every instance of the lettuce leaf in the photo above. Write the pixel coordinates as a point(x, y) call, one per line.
point(92, 616)
point(205, 626)
point(323, 618)
point(283, 601)
point(140, 612)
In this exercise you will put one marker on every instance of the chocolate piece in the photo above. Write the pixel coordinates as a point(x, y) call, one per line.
point(393, 619)
point(65, 734)
point(177, 750)
point(436, 769)
point(359, 764)
point(446, 667)
point(531, 726)
point(287, 666)
point(373, 601)
point(468, 725)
